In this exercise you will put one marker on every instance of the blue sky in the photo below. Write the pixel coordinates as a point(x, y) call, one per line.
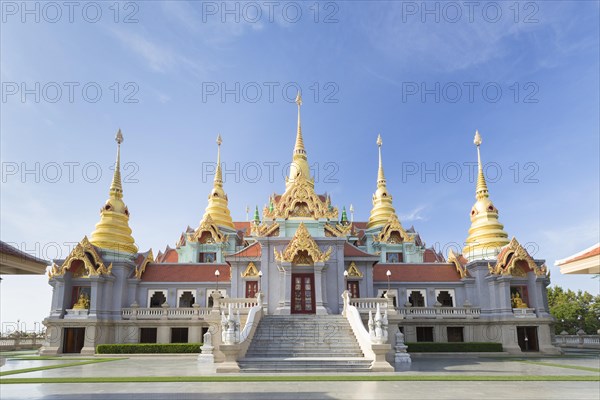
point(424, 81)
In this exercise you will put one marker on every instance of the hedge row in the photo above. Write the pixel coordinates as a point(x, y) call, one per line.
point(458, 347)
point(140, 348)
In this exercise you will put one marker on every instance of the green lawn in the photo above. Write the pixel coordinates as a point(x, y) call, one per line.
point(68, 364)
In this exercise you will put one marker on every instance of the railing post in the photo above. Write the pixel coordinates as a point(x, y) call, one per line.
point(346, 300)
point(165, 310)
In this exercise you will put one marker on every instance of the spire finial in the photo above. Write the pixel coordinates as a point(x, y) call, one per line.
point(256, 216)
point(380, 175)
point(219, 174)
point(299, 167)
point(116, 189)
point(481, 190)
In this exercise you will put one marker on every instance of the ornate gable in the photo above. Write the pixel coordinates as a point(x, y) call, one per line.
point(139, 269)
point(337, 230)
point(264, 230)
point(251, 271)
point(458, 262)
point(512, 257)
point(302, 249)
point(86, 253)
point(207, 232)
point(393, 232)
point(353, 271)
point(300, 200)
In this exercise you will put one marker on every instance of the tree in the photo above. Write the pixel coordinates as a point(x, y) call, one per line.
point(574, 311)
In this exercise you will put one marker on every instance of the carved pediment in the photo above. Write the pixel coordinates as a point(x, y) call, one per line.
point(251, 271)
point(515, 260)
point(337, 230)
point(302, 249)
point(300, 200)
point(207, 232)
point(86, 253)
point(139, 269)
point(264, 230)
point(456, 259)
point(353, 271)
point(393, 232)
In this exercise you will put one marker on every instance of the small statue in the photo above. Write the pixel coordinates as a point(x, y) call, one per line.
point(83, 303)
point(207, 339)
point(517, 302)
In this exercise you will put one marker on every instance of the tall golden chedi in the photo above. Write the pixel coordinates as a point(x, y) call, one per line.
point(486, 235)
point(113, 231)
point(383, 208)
point(217, 206)
point(299, 168)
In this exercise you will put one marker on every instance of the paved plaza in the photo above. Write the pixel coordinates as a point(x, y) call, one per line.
point(548, 378)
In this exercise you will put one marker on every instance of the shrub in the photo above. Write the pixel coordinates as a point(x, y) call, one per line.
point(148, 348)
point(453, 347)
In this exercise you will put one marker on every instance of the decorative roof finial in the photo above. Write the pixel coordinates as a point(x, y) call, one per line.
point(218, 173)
point(116, 188)
point(481, 190)
point(299, 167)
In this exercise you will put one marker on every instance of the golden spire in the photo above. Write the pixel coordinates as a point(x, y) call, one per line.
point(486, 235)
point(299, 167)
point(383, 208)
point(217, 199)
point(219, 174)
point(113, 231)
point(481, 190)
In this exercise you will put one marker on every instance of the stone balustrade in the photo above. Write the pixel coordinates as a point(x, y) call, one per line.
point(10, 344)
point(364, 305)
point(188, 313)
point(524, 312)
point(580, 341)
point(165, 313)
point(440, 312)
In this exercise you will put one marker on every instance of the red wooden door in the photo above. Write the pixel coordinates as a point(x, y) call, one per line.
point(353, 289)
point(251, 289)
point(303, 294)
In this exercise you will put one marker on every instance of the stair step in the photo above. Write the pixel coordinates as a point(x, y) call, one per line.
point(324, 343)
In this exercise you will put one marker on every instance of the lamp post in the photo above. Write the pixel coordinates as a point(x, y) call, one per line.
point(388, 274)
point(259, 280)
point(217, 274)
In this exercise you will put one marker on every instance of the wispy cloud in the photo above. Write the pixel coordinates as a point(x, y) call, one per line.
point(414, 215)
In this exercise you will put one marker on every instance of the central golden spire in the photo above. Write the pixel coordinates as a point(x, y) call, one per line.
point(383, 208)
point(486, 235)
point(299, 167)
point(112, 231)
point(217, 206)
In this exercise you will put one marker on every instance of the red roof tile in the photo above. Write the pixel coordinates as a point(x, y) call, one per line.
point(436, 272)
point(431, 256)
point(186, 273)
point(353, 251)
point(254, 250)
point(169, 256)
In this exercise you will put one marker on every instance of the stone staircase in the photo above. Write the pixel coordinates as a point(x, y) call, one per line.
point(310, 343)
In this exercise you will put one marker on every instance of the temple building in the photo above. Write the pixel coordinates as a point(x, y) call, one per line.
point(299, 261)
